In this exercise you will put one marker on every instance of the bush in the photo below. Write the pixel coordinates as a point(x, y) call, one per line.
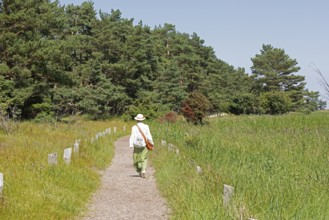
point(195, 107)
point(276, 102)
point(45, 117)
point(243, 104)
point(170, 117)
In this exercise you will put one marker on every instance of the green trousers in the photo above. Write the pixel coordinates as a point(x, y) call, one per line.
point(140, 158)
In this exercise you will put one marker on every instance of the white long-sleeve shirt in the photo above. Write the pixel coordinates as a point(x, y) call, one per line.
point(136, 138)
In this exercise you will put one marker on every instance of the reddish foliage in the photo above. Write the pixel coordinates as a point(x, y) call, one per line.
point(188, 112)
point(171, 117)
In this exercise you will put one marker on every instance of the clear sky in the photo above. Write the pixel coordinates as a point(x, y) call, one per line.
point(237, 29)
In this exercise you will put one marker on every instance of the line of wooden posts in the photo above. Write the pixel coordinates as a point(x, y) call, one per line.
point(52, 157)
point(228, 191)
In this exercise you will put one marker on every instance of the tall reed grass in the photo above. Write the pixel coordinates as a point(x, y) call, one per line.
point(278, 166)
point(36, 190)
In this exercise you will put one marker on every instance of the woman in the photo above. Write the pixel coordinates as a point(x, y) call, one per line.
point(138, 144)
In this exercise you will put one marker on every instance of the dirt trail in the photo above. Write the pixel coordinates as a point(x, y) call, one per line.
point(125, 195)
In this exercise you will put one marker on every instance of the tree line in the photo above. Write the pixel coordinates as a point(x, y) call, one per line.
point(61, 60)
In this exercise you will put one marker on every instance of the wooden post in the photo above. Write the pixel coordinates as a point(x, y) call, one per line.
point(76, 146)
point(67, 155)
point(124, 128)
point(198, 169)
point(114, 129)
point(163, 143)
point(1, 184)
point(228, 193)
point(52, 159)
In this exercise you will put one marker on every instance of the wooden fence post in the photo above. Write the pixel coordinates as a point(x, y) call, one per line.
point(163, 143)
point(198, 169)
point(1, 184)
point(67, 155)
point(76, 146)
point(228, 193)
point(52, 159)
point(1, 187)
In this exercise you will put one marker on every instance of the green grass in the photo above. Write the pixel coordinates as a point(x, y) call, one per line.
point(278, 166)
point(35, 190)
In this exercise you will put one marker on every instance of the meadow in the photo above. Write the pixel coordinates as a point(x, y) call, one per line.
point(278, 166)
point(33, 189)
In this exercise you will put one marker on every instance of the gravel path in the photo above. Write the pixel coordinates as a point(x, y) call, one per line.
point(125, 195)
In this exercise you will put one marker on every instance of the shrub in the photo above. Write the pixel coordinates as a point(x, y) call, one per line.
point(276, 102)
point(195, 107)
point(243, 104)
point(170, 117)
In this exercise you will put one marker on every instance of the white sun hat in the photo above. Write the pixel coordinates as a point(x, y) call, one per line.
point(139, 117)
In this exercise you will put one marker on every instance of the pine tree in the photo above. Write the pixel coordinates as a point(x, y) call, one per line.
point(29, 33)
point(273, 70)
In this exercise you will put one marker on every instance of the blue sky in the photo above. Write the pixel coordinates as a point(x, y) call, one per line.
point(237, 29)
